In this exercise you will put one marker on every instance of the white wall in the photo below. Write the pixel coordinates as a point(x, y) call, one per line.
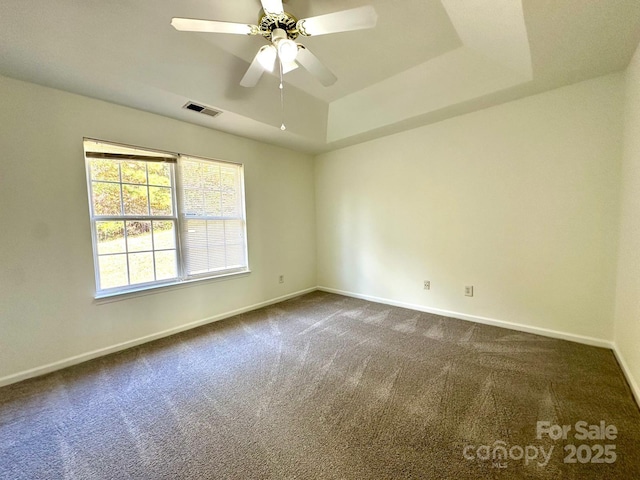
point(627, 315)
point(47, 311)
point(519, 200)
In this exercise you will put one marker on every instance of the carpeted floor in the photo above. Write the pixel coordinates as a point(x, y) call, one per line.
point(325, 387)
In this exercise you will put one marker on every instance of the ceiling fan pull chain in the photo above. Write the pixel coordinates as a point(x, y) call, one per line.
point(282, 127)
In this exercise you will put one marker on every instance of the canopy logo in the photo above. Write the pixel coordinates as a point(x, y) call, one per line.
point(499, 454)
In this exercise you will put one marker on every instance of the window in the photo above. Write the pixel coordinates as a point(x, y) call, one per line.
point(212, 216)
point(159, 218)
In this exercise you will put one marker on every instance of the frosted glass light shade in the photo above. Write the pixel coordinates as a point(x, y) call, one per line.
point(267, 57)
point(287, 50)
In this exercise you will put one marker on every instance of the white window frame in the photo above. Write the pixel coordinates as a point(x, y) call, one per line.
point(178, 218)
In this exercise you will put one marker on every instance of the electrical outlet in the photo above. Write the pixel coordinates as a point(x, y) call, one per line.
point(427, 285)
point(281, 279)
point(468, 291)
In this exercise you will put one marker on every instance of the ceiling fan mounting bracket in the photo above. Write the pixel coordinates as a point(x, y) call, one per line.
point(284, 21)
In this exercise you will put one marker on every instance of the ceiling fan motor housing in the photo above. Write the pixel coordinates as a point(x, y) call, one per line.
point(284, 21)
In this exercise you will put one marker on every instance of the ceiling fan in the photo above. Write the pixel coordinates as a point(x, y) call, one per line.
point(281, 29)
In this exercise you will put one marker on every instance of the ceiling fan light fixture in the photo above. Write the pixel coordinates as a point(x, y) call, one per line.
point(281, 29)
point(287, 50)
point(267, 57)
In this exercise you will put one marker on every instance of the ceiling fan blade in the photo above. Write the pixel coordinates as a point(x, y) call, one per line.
point(289, 67)
point(344, 21)
point(314, 66)
point(254, 72)
point(212, 26)
point(272, 6)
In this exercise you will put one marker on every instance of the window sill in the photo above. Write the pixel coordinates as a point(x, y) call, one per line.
point(103, 298)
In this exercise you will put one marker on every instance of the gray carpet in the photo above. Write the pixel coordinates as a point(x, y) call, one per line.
point(323, 387)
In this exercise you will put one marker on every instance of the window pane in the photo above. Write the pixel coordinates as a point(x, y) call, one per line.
point(217, 258)
point(106, 198)
point(230, 205)
point(164, 235)
point(139, 236)
point(229, 178)
point(235, 256)
point(193, 202)
point(134, 171)
point(191, 174)
point(210, 176)
point(141, 267)
point(196, 253)
point(135, 200)
point(159, 174)
point(132, 247)
point(161, 201)
point(110, 237)
point(106, 170)
point(218, 245)
point(215, 234)
point(234, 231)
point(212, 205)
point(166, 265)
point(113, 271)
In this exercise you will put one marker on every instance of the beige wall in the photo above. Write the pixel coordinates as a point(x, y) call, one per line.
point(47, 311)
point(627, 316)
point(520, 200)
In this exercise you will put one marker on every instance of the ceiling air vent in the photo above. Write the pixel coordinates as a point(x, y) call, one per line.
point(201, 109)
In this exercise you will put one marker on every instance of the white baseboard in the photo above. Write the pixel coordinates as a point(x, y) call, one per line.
point(635, 388)
point(595, 342)
point(51, 367)
point(67, 362)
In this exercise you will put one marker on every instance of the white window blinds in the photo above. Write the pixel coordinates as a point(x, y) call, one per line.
point(213, 217)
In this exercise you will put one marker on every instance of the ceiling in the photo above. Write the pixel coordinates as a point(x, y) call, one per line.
point(425, 61)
